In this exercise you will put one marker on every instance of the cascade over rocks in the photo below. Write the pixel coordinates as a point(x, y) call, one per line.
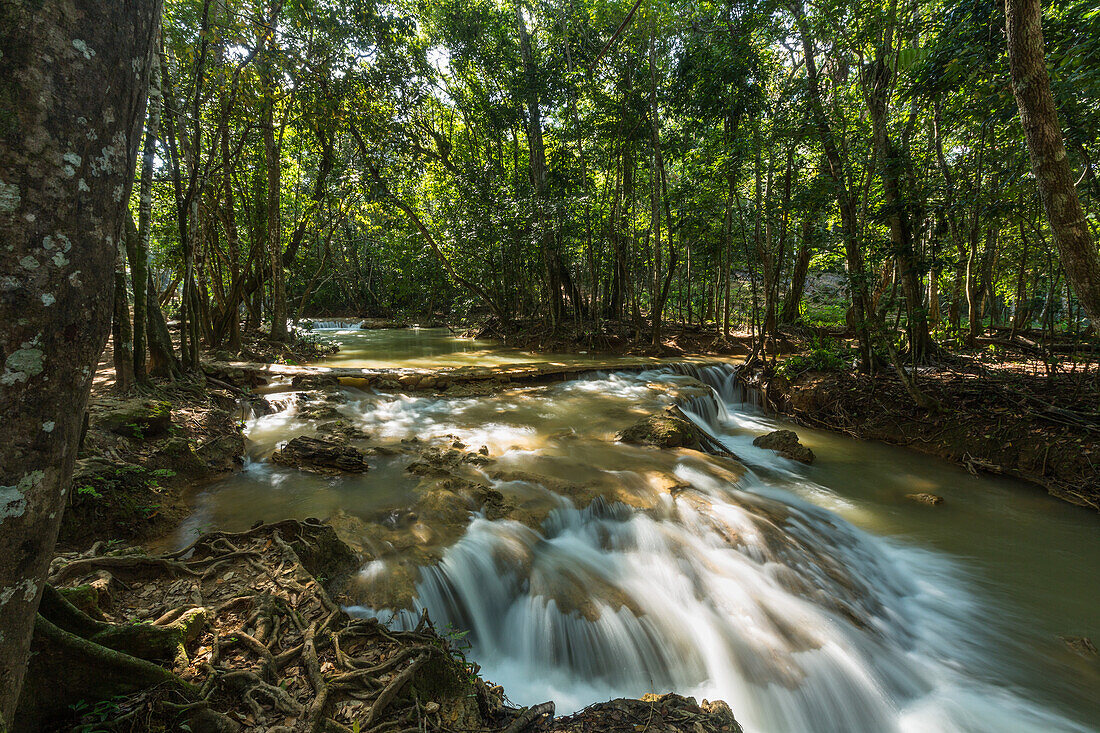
point(673, 429)
point(785, 443)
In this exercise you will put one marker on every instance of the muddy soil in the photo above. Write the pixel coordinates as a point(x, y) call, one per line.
point(1003, 418)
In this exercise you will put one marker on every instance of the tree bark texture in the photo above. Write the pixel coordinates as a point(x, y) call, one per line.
point(72, 94)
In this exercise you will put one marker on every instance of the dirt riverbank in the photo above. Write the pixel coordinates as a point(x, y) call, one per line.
point(999, 417)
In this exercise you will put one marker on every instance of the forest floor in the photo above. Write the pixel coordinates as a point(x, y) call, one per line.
point(624, 338)
point(1001, 415)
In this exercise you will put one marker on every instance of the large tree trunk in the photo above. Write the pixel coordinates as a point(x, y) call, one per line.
point(67, 153)
point(1031, 84)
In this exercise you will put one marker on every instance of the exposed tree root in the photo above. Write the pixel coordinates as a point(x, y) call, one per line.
point(235, 633)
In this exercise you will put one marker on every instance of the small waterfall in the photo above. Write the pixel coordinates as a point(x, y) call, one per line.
point(718, 588)
point(797, 619)
point(310, 324)
point(721, 377)
point(725, 379)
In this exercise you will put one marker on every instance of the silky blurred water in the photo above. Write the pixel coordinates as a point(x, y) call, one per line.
point(810, 598)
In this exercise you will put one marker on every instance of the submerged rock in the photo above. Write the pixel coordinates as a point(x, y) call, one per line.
point(925, 498)
point(785, 443)
point(1081, 645)
point(662, 431)
point(320, 455)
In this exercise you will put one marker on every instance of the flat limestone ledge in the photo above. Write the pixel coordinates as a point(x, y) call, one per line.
point(254, 374)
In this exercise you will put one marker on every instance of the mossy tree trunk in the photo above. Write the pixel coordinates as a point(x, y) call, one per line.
point(72, 91)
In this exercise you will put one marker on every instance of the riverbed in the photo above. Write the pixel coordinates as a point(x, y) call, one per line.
point(810, 598)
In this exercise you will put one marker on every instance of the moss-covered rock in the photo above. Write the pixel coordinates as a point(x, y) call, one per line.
point(135, 418)
point(662, 431)
point(785, 443)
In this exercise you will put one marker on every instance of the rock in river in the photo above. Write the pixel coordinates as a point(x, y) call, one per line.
point(785, 443)
point(320, 455)
point(662, 431)
point(923, 498)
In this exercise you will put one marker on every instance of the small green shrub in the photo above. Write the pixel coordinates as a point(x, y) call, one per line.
point(824, 355)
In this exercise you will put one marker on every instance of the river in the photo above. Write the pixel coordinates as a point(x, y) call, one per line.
point(810, 598)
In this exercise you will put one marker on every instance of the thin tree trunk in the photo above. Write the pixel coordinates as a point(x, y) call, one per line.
point(162, 356)
point(857, 279)
point(139, 253)
point(792, 304)
point(1021, 284)
point(273, 162)
point(893, 168)
point(122, 331)
point(551, 257)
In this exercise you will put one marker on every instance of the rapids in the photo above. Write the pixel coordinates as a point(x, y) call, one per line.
point(810, 598)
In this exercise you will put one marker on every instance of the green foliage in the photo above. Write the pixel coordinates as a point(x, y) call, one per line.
point(95, 717)
point(824, 355)
point(410, 139)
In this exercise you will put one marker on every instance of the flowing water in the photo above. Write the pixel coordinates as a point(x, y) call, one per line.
point(810, 598)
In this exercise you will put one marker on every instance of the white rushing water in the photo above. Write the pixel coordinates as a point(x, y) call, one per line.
point(742, 592)
point(758, 587)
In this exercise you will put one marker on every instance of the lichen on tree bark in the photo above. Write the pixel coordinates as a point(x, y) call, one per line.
point(72, 87)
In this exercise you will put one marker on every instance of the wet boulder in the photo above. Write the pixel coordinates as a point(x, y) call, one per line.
point(135, 418)
point(320, 455)
point(669, 712)
point(342, 429)
point(320, 406)
point(662, 431)
point(785, 443)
